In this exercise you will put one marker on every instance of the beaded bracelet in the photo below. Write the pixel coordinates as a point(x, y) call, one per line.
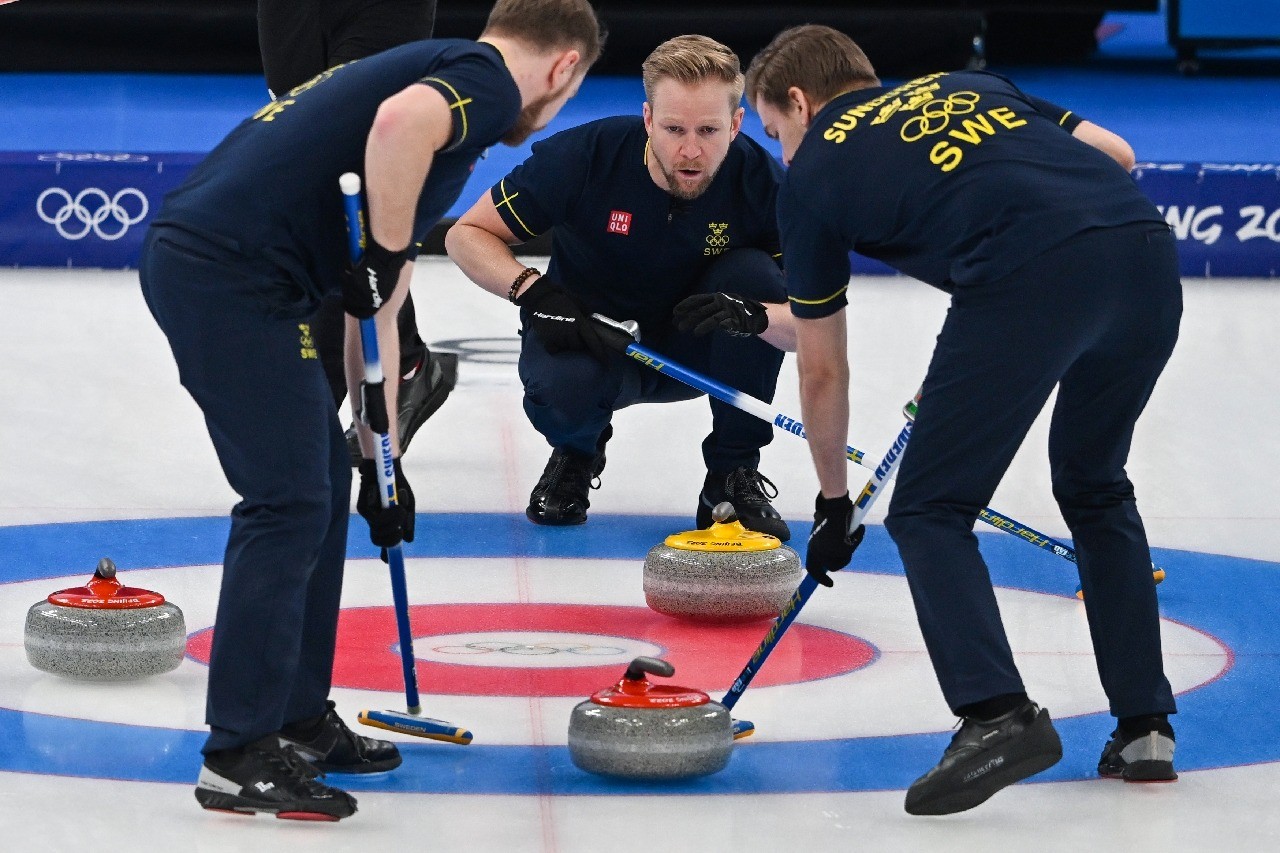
point(520, 279)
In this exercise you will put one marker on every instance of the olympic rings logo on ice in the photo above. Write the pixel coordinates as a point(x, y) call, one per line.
point(521, 649)
point(90, 209)
point(936, 115)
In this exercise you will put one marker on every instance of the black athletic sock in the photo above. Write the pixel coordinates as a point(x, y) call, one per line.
point(220, 758)
point(989, 709)
point(1141, 725)
point(225, 758)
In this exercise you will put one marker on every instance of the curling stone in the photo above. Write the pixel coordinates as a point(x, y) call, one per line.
point(639, 730)
point(725, 573)
point(105, 631)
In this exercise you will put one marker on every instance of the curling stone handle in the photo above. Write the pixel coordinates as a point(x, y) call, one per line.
point(724, 513)
point(653, 666)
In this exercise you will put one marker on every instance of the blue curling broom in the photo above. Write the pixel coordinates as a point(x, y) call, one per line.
point(861, 505)
point(374, 414)
point(624, 336)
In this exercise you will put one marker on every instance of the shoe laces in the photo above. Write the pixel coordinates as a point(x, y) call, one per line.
point(569, 475)
point(288, 759)
point(746, 486)
point(357, 742)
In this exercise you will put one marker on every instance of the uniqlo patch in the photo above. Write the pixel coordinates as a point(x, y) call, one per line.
point(619, 222)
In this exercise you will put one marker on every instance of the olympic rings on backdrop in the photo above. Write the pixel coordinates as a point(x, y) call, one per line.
point(104, 207)
point(92, 157)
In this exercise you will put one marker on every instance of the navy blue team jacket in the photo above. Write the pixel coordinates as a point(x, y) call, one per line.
point(952, 178)
point(624, 246)
point(269, 191)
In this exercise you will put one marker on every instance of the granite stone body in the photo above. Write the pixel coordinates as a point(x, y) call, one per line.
point(720, 586)
point(105, 645)
point(650, 743)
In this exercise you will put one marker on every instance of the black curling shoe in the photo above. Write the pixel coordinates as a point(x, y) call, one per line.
point(420, 396)
point(1146, 757)
point(562, 494)
point(750, 492)
point(267, 778)
point(331, 747)
point(983, 758)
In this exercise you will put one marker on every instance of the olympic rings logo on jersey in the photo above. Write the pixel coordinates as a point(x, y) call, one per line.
point(717, 240)
point(935, 115)
point(91, 208)
point(500, 647)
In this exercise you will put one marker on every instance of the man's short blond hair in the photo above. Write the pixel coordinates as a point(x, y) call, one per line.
point(691, 60)
point(819, 61)
point(547, 25)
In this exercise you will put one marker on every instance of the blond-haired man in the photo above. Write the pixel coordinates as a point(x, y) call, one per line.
point(1061, 273)
point(235, 265)
point(666, 218)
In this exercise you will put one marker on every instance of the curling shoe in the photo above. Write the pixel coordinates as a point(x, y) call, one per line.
point(422, 393)
point(561, 497)
point(983, 758)
point(1142, 757)
point(750, 492)
point(265, 777)
point(330, 746)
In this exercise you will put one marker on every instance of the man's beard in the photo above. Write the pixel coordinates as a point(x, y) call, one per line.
point(679, 190)
point(527, 122)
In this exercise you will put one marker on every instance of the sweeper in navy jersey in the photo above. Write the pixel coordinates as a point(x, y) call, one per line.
point(667, 219)
point(298, 40)
point(1061, 273)
point(233, 268)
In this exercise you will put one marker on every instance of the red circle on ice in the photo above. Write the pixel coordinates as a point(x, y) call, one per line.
point(705, 656)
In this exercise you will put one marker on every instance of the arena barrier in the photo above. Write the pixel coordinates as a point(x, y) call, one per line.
point(86, 209)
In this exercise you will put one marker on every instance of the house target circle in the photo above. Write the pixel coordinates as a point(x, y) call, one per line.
point(1191, 600)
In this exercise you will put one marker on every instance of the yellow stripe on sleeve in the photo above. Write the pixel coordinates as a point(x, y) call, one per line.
point(459, 103)
point(821, 301)
point(1064, 118)
point(506, 201)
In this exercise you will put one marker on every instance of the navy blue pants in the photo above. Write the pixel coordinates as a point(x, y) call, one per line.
point(570, 397)
point(245, 353)
point(1098, 317)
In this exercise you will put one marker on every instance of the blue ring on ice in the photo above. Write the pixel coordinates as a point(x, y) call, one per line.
point(1229, 721)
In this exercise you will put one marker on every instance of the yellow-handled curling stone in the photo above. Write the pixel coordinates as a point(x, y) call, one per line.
point(725, 573)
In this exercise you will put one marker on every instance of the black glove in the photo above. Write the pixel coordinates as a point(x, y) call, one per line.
point(739, 316)
point(831, 545)
point(370, 282)
point(560, 322)
point(390, 525)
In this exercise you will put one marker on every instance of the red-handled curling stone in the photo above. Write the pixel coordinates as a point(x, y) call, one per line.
point(640, 730)
point(105, 631)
